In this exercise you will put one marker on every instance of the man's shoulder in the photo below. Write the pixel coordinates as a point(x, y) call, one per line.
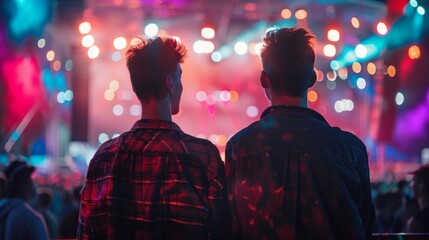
point(197, 143)
point(23, 211)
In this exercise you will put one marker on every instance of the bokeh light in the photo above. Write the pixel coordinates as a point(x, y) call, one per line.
point(85, 28)
point(68, 95)
point(225, 96)
point(331, 75)
point(381, 28)
point(286, 13)
point(69, 65)
point(208, 32)
point(41, 43)
point(61, 97)
point(414, 52)
point(56, 65)
point(391, 71)
point(222, 140)
point(234, 96)
point(114, 85)
point(356, 67)
point(329, 50)
point(116, 56)
point(361, 83)
point(201, 96)
point(93, 52)
point(421, 10)
point(103, 137)
point(333, 35)
point(361, 51)
point(355, 22)
point(371, 68)
point(312, 96)
point(252, 111)
point(151, 30)
point(203, 46)
point(343, 73)
point(119, 43)
point(118, 110)
point(240, 48)
point(88, 40)
point(135, 110)
point(135, 41)
point(216, 56)
point(109, 94)
point(399, 98)
point(335, 65)
point(301, 14)
point(50, 55)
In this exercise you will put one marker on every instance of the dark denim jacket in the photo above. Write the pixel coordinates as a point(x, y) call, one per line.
point(291, 175)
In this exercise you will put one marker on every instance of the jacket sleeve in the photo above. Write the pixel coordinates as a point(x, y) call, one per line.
point(220, 225)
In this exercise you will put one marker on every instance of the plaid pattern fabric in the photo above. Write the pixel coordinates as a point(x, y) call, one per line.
point(154, 182)
point(291, 175)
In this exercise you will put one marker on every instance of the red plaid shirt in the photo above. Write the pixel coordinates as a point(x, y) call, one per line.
point(155, 182)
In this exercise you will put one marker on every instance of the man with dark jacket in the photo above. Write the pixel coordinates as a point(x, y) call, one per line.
point(291, 175)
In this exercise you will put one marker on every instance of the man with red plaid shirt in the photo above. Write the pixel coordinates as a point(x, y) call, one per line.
point(155, 181)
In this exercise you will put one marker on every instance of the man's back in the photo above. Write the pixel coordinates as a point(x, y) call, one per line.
point(292, 176)
point(154, 182)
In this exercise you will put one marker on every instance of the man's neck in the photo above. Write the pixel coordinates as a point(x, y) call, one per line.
point(156, 110)
point(287, 100)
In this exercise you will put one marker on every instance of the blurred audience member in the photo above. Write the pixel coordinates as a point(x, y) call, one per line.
point(18, 220)
point(43, 204)
point(68, 224)
point(2, 188)
point(388, 219)
point(419, 223)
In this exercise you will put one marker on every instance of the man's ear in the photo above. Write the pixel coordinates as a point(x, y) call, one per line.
point(169, 84)
point(313, 79)
point(264, 79)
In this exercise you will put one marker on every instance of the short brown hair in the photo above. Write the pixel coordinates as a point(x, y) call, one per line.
point(288, 60)
point(150, 62)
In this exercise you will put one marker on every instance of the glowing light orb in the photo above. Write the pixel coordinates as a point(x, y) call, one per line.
point(361, 51)
point(119, 43)
point(151, 30)
point(103, 137)
point(88, 41)
point(208, 33)
point(333, 35)
point(201, 96)
point(286, 13)
point(93, 52)
point(252, 111)
point(414, 52)
point(355, 22)
point(216, 56)
point(381, 28)
point(240, 48)
point(312, 96)
point(399, 98)
point(118, 110)
point(50, 55)
point(41, 43)
point(361, 83)
point(329, 50)
point(85, 28)
point(301, 14)
point(356, 67)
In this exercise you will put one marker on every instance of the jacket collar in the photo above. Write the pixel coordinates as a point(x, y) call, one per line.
point(293, 111)
point(156, 124)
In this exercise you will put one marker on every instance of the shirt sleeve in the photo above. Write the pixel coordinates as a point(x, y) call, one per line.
point(93, 211)
point(219, 227)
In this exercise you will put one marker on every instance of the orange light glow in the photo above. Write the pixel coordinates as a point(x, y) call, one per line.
point(414, 52)
point(312, 96)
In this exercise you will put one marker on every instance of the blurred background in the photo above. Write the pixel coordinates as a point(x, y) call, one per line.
point(65, 89)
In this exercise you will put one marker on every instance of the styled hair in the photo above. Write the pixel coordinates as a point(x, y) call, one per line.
point(288, 60)
point(150, 62)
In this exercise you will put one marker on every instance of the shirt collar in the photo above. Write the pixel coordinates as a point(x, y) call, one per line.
point(292, 110)
point(156, 124)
